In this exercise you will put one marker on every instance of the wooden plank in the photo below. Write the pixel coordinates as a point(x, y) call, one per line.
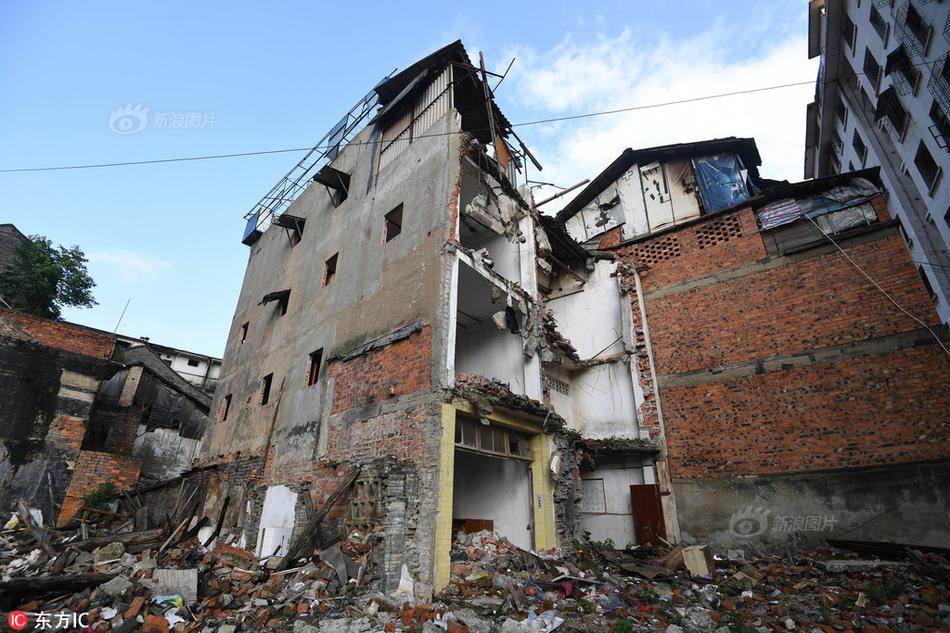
point(41, 537)
point(300, 545)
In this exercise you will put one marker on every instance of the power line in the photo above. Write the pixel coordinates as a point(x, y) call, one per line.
point(572, 117)
point(878, 286)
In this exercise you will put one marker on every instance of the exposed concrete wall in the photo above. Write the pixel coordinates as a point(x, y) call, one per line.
point(901, 503)
point(378, 287)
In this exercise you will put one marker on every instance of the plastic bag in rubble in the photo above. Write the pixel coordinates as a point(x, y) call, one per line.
point(13, 522)
point(545, 623)
point(405, 590)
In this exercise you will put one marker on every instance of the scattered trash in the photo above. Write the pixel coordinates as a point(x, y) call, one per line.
point(168, 580)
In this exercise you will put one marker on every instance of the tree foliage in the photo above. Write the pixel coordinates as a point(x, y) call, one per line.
point(47, 278)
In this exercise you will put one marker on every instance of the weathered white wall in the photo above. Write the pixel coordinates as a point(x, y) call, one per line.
point(496, 489)
point(165, 453)
point(277, 521)
point(504, 253)
point(591, 319)
point(486, 351)
point(606, 511)
point(603, 401)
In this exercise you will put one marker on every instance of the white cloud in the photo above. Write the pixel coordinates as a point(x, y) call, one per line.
point(131, 266)
point(605, 73)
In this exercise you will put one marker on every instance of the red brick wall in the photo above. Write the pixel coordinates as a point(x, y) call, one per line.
point(881, 407)
point(398, 434)
point(868, 410)
point(815, 303)
point(67, 431)
point(93, 469)
point(62, 336)
point(720, 243)
point(403, 366)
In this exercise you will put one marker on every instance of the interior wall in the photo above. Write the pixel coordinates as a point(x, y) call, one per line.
point(496, 489)
point(591, 320)
point(484, 350)
point(606, 510)
point(277, 521)
point(603, 402)
point(504, 254)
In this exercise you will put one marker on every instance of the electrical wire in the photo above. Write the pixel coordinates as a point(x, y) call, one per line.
point(572, 117)
point(878, 286)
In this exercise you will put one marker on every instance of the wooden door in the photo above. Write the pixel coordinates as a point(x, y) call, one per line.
point(648, 522)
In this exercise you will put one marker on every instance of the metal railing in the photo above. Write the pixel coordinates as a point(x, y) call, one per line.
point(298, 178)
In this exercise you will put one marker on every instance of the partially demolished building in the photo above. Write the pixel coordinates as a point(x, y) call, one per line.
point(78, 416)
point(417, 351)
point(410, 315)
point(801, 370)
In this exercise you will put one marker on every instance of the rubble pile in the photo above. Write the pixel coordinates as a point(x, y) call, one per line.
point(679, 590)
point(112, 578)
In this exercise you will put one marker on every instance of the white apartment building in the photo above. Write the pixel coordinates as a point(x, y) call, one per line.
point(883, 99)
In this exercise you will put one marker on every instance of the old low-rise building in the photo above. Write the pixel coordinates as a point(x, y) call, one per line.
point(78, 416)
point(800, 371)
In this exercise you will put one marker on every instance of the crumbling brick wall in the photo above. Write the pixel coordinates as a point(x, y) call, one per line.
point(49, 374)
point(92, 470)
point(65, 337)
point(771, 364)
point(398, 369)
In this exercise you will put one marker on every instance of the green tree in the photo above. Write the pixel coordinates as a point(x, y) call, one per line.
point(47, 278)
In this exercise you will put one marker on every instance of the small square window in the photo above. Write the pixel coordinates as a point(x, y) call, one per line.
point(265, 388)
point(227, 407)
point(394, 223)
point(244, 331)
point(313, 372)
point(192, 362)
point(330, 270)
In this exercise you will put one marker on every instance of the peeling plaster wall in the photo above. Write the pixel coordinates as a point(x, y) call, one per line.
point(603, 401)
point(164, 452)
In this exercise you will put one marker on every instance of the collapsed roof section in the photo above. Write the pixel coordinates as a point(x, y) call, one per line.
point(399, 91)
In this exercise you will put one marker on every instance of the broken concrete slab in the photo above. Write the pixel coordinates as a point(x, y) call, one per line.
point(183, 582)
point(852, 566)
point(117, 587)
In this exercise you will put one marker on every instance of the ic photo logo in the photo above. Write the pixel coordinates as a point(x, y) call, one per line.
point(17, 620)
point(750, 521)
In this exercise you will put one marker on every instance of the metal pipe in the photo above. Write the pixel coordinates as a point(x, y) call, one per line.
point(561, 193)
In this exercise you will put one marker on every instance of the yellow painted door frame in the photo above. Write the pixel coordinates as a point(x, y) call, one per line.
point(542, 488)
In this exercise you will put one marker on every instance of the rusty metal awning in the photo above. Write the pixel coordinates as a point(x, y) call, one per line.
point(279, 295)
point(333, 178)
point(288, 221)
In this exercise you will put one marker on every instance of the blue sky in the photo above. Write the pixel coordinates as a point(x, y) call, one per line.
point(256, 76)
